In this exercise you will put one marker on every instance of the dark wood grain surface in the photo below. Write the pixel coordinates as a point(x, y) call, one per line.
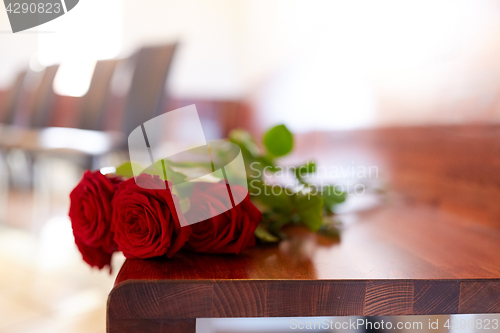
point(396, 241)
point(455, 168)
point(409, 255)
point(396, 259)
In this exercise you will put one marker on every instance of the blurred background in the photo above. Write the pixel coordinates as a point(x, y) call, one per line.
point(72, 89)
point(349, 64)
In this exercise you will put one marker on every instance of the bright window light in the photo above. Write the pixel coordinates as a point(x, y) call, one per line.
point(89, 32)
point(90, 142)
point(74, 76)
point(107, 170)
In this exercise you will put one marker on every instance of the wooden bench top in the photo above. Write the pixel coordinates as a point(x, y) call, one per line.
point(392, 260)
point(398, 242)
point(410, 256)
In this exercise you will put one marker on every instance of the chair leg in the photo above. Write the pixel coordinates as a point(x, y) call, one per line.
point(95, 162)
point(4, 188)
point(20, 168)
point(41, 191)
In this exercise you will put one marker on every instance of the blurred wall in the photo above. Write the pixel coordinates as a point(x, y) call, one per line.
point(364, 63)
point(207, 63)
point(311, 64)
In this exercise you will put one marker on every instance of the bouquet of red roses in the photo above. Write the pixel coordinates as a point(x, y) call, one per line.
point(143, 217)
point(110, 213)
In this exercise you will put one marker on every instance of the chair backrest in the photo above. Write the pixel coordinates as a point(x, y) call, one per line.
point(93, 104)
point(43, 100)
point(147, 89)
point(12, 99)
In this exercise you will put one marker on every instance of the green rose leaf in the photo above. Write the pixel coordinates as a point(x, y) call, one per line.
point(245, 141)
point(309, 167)
point(309, 208)
point(266, 161)
point(265, 235)
point(275, 198)
point(300, 172)
point(125, 170)
point(278, 141)
point(175, 177)
point(333, 196)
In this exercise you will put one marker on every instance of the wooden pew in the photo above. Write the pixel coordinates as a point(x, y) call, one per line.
point(432, 247)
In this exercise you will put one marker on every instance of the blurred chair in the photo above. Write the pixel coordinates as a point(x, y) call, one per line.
point(8, 107)
point(89, 141)
point(146, 96)
point(94, 103)
point(30, 114)
point(44, 144)
point(40, 113)
point(86, 140)
point(10, 104)
point(91, 137)
point(27, 109)
point(92, 140)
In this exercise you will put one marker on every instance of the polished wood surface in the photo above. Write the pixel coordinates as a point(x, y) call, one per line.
point(452, 167)
point(409, 254)
point(396, 259)
point(389, 242)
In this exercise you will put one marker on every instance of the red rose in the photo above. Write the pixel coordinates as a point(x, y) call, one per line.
point(94, 256)
point(90, 214)
point(145, 221)
point(229, 232)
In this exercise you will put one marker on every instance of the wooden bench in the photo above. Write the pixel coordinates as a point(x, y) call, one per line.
point(405, 256)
